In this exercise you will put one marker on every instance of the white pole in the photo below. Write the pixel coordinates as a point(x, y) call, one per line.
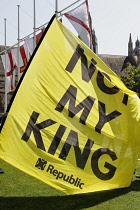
point(5, 95)
point(34, 44)
point(56, 8)
point(18, 51)
point(69, 6)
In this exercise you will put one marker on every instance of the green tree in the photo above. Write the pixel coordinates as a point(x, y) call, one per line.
point(132, 78)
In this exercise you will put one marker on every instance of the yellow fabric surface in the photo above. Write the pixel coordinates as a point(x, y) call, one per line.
point(73, 124)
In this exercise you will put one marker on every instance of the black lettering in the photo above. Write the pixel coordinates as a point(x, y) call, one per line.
point(86, 104)
point(74, 59)
point(81, 158)
point(66, 178)
point(94, 164)
point(86, 72)
point(76, 182)
point(50, 168)
point(103, 118)
point(59, 175)
point(103, 87)
point(55, 172)
point(80, 185)
point(125, 99)
point(71, 180)
point(56, 140)
point(31, 127)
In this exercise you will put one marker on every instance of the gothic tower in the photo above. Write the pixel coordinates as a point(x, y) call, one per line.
point(137, 47)
point(130, 46)
point(135, 53)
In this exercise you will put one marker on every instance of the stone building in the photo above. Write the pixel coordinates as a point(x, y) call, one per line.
point(116, 63)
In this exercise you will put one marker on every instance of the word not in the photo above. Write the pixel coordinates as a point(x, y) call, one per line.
point(88, 72)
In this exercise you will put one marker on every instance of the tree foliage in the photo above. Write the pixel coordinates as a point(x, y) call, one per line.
point(132, 78)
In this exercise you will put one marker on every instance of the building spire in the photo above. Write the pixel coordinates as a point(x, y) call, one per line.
point(130, 46)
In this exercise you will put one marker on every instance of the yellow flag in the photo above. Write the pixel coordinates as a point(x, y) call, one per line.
point(72, 123)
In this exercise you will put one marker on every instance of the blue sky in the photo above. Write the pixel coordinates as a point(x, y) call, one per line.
point(113, 21)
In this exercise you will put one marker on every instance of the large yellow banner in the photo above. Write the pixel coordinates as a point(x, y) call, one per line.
point(72, 124)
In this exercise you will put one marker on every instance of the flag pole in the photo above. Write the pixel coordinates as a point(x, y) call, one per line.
point(56, 8)
point(5, 95)
point(69, 6)
point(34, 42)
point(18, 51)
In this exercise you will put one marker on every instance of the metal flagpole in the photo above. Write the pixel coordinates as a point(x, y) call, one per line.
point(56, 8)
point(5, 96)
point(34, 44)
point(69, 6)
point(18, 51)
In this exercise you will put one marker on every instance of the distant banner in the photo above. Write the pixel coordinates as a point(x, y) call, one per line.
point(10, 68)
point(72, 124)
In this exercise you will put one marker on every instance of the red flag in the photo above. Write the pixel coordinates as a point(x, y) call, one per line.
point(23, 57)
point(10, 68)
